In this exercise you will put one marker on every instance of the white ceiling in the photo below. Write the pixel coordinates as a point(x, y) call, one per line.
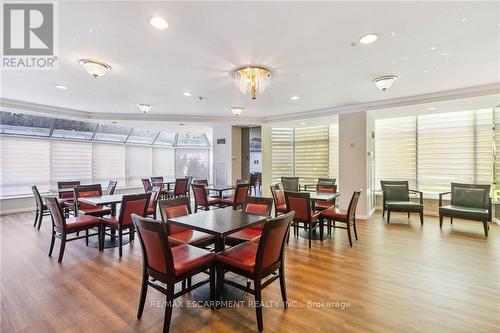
point(306, 45)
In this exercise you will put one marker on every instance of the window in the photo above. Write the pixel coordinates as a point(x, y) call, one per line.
point(70, 160)
point(142, 136)
point(139, 165)
point(311, 153)
point(282, 153)
point(192, 140)
point(164, 162)
point(112, 133)
point(24, 124)
point(165, 139)
point(108, 163)
point(24, 162)
point(70, 129)
point(192, 162)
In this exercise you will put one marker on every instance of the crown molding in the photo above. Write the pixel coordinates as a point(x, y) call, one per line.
point(482, 90)
point(28, 107)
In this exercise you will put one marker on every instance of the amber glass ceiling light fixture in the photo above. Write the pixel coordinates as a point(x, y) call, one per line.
point(251, 79)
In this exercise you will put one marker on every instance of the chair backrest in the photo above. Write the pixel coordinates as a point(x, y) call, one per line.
point(156, 251)
point(111, 187)
point(272, 241)
point(38, 197)
point(470, 195)
point(181, 186)
point(278, 195)
point(172, 208)
point(242, 181)
point(86, 191)
point(200, 181)
point(56, 212)
point(300, 203)
point(240, 194)
point(200, 194)
point(156, 179)
point(146, 183)
point(70, 184)
point(153, 198)
point(290, 183)
point(395, 190)
point(133, 204)
point(351, 211)
point(258, 206)
point(253, 178)
point(327, 181)
point(326, 188)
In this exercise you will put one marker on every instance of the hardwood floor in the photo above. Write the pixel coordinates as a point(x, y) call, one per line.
point(398, 277)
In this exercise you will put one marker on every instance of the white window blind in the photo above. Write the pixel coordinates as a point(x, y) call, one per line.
point(164, 163)
point(311, 153)
point(282, 153)
point(395, 150)
point(333, 163)
point(108, 163)
point(24, 163)
point(192, 162)
point(139, 164)
point(484, 138)
point(70, 160)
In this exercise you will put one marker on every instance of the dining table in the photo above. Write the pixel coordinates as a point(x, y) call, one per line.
point(219, 222)
point(168, 183)
point(220, 189)
point(106, 200)
point(313, 196)
point(62, 190)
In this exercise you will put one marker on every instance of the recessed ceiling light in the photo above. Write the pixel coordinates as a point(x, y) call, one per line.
point(294, 98)
point(187, 94)
point(302, 124)
point(158, 23)
point(144, 108)
point(60, 86)
point(368, 38)
point(446, 54)
point(426, 71)
point(432, 108)
point(432, 48)
point(464, 19)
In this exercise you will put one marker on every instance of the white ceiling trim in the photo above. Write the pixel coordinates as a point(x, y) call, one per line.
point(482, 90)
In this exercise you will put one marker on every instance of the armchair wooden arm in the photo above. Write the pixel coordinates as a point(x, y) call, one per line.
point(420, 194)
point(441, 198)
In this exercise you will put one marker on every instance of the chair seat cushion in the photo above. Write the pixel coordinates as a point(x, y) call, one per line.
point(334, 213)
point(82, 222)
point(213, 201)
point(190, 236)
point(67, 202)
point(95, 211)
point(151, 210)
point(464, 212)
point(281, 208)
point(248, 234)
point(187, 257)
point(228, 201)
point(241, 256)
point(405, 206)
point(323, 204)
point(112, 220)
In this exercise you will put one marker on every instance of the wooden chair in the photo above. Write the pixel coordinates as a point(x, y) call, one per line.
point(62, 227)
point(40, 207)
point(88, 191)
point(161, 263)
point(111, 187)
point(290, 184)
point(153, 201)
point(348, 217)
point(304, 218)
point(253, 182)
point(279, 200)
point(67, 199)
point(258, 260)
point(146, 183)
point(256, 206)
point(240, 194)
point(325, 188)
point(178, 235)
point(181, 188)
point(201, 198)
point(131, 204)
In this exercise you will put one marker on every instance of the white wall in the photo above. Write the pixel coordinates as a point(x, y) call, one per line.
point(222, 154)
point(236, 156)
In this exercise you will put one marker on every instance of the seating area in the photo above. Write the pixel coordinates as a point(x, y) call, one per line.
point(250, 167)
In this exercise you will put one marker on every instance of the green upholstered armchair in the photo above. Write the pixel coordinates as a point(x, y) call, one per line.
point(468, 201)
point(396, 198)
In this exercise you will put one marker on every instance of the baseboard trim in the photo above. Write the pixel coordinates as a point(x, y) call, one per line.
point(15, 211)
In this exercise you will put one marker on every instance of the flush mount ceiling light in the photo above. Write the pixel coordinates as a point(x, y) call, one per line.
point(95, 68)
point(187, 94)
point(251, 79)
point(385, 82)
point(60, 86)
point(368, 38)
point(159, 22)
point(294, 98)
point(237, 110)
point(144, 108)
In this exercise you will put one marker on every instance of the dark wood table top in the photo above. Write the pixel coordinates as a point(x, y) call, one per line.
point(219, 222)
point(323, 196)
point(102, 200)
point(220, 187)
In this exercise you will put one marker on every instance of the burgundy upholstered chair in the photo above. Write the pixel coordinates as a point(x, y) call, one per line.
point(178, 235)
point(153, 201)
point(40, 206)
point(62, 227)
point(257, 260)
point(279, 200)
point(181, 188)
point(305, 218)
point(89, 191)
point(256, 206)
point(240, 193)
point(146, 183)
point(111, 187)
point(348, 217)
point(67, 199)
point(131, 204)
point(201, 198)
point(325, 188)
point(169, 265)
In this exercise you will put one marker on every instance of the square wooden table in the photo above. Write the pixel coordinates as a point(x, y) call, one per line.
point(220, 189)
point(313, 196)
